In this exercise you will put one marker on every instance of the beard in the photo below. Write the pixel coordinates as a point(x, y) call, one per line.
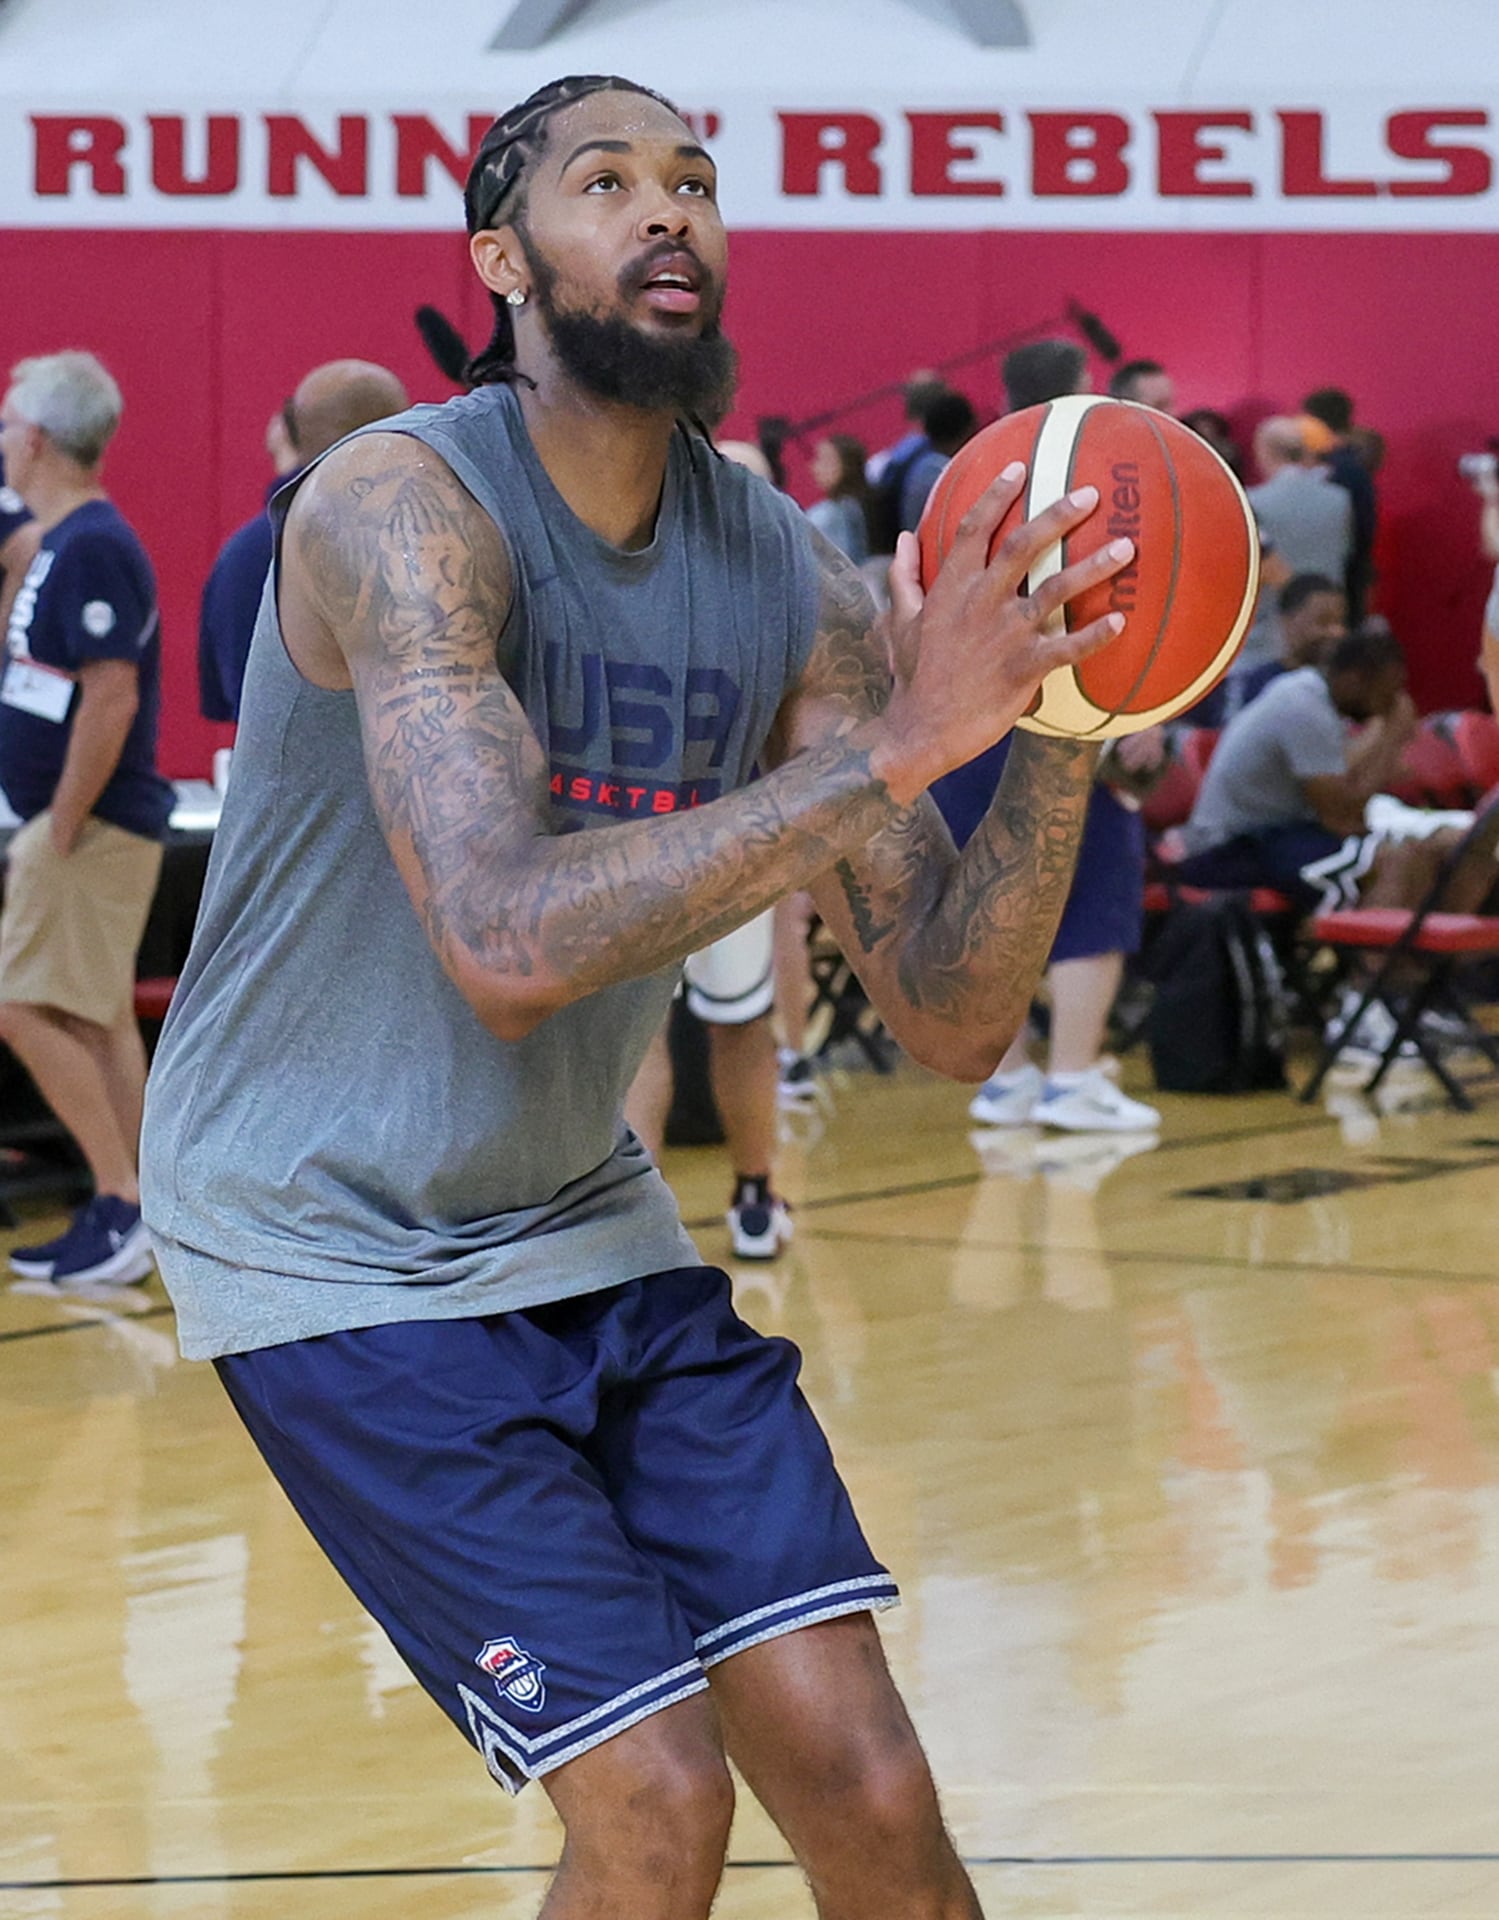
point(613, 359)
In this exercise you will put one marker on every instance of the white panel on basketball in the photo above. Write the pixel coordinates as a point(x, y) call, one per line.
point(1050, 473)
point(1063, 709)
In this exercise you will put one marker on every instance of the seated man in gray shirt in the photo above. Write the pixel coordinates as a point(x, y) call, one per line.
point(1282, 803)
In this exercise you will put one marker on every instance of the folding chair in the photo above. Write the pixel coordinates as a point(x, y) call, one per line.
point(1426, 946)
point(840, 1001)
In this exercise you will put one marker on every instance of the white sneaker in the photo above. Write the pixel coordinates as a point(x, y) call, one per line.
point(1091, 1103)
point(1365, 1043)
point(1007, 1099)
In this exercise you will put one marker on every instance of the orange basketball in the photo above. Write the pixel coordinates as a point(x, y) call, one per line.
point(1188, 595)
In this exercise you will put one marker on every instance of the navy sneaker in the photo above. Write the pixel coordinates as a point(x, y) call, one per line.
point(759, 1223)
point(35, 1263)
point(106, 1244)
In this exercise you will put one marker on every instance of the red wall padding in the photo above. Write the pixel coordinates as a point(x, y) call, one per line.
point(208, 332)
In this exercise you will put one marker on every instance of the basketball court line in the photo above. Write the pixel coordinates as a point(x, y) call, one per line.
point(301, 1875)
point(910, 1189)
point(1137, 1256)
point(84, 1323)
point(948, 1182)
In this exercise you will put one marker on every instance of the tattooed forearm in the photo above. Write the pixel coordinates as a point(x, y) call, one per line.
point(594, 906)
point(415, 580)
point(989, 937)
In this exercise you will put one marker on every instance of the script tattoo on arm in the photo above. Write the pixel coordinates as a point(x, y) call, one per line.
point(949, 946)
point(413, 582)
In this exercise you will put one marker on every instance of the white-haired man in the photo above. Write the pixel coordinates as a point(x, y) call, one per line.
point(78, 712)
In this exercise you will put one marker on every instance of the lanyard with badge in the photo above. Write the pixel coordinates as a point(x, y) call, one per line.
point(28, 684)
point(46, 692)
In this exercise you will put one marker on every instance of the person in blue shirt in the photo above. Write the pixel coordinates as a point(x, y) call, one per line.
point(79, 701)
point(331, 401)
point(950, 424)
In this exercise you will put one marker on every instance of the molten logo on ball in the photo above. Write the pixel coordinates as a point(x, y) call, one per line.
point(1124, 523)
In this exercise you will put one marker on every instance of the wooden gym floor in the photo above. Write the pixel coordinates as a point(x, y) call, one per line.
point(1188, 1463)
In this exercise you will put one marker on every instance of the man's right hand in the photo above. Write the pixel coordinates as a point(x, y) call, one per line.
point(968, 655)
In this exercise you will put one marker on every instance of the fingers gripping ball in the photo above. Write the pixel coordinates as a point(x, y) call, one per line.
point(1187, 596)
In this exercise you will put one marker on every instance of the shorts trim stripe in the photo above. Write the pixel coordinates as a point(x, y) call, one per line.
point(537, 1745)
point(795, 1621)
point(870, 1587)
point(625, 1699)
point(511, 1769)
point(1338, 875)
point(551, 1760)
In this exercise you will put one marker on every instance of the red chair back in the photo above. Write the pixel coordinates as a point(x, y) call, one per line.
point(1169, 802)
point(1431, 771)
point(1476, 737)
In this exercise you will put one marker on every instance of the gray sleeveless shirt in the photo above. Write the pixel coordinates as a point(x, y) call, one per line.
point(332, 1139)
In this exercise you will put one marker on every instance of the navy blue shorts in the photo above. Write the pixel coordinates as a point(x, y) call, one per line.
point(1105, 908)
point(1318, 870)
point(564, 1516)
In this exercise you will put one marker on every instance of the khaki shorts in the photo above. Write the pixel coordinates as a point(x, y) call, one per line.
point(70, 928)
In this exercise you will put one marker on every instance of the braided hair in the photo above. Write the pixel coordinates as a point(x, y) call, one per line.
point(506, 151)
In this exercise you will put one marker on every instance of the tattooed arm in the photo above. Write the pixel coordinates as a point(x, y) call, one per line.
point(949, 946)
point(395, 582)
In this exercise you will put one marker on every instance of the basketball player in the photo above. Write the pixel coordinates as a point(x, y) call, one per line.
point(491, 786)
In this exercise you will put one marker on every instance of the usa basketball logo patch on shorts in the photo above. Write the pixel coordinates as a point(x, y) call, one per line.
point(516, 1674)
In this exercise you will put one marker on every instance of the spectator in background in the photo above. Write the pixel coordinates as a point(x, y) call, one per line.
point(1146, 381)
point(841, 515)
point(1282, 803)
point(1285, 803)
point(1332, 409)
point(280, 448)
point(78, 714)
point(1304, 518)
point(331, 401)
point(731, 987)
point(1369, 445)
point(1311, 617)
point(1216, 428)
point(1043, 370)
point(19, 539)
point(887, 470)
point(920, 390)
point(1309, 520)
point(950, 423)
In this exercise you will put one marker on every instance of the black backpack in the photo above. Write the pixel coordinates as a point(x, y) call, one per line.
point(1217, 1024)
point(882, 511)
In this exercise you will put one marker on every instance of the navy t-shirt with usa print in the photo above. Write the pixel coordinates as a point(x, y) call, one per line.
point(88, 595)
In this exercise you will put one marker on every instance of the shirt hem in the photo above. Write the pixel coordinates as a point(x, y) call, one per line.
point(331, 1305)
